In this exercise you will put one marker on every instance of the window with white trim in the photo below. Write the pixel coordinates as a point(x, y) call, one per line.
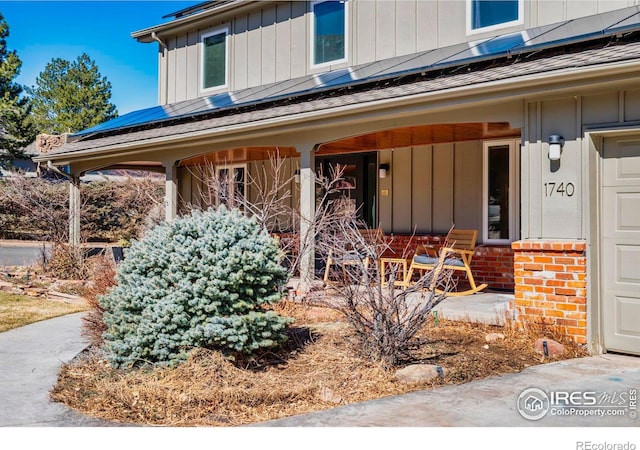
point(485, 15)
point(214, 59)
point(329, 28)
point(500, 196)
point(232, 187)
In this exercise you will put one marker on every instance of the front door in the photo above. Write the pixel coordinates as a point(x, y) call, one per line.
point(357, 186)
point(620, 244)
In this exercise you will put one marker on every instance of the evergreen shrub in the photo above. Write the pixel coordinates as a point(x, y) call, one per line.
point(202, 280)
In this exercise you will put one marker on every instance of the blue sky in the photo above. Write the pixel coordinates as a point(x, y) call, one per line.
point(43, 30)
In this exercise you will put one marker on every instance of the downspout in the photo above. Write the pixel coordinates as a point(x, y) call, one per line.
point(163, 96)
point(155, 37)
point(55, 169)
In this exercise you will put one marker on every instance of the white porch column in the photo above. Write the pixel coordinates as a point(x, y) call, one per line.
point(307, 215)
point(171, 191)
point(74, 211)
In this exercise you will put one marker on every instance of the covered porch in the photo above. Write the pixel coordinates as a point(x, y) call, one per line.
point(412, 182)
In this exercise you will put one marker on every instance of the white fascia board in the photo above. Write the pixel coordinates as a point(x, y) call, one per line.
point(192, 21)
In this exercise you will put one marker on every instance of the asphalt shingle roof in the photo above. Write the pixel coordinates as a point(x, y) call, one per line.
point(537, 63)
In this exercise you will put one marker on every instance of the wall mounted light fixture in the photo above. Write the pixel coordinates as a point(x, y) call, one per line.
point(556, 142)
point(296, 176)
point(382, 170)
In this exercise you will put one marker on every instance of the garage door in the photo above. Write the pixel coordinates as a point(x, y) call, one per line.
point(620, 245)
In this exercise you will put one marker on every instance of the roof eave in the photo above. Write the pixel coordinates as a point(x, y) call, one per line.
point(189, 22)
point(471, 92)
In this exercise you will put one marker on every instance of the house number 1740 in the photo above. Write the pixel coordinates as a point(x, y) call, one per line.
point(559, 189)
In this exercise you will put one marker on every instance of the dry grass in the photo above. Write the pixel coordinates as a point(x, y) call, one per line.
point(20, 310)
point(208, 390)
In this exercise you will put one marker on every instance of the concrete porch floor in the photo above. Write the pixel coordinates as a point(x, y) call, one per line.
point(490, 307)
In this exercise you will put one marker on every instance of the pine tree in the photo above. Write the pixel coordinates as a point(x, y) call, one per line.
point(199, 281)
point(16, 129)
point(71, 96)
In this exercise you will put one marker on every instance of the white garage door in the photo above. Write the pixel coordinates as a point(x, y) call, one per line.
point(620, 244)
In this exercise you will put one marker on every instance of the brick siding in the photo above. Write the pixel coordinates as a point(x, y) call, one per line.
point(551, 285)
point(491, 264)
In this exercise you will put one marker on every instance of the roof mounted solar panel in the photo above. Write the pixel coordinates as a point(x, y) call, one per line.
point(582, 29)
point(627, 24)
point(192, 9)
point(139, 117)
point(335, 78)
point(548, 36)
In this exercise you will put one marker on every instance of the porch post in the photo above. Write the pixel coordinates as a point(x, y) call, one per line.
point(171, 190)
point(307, 214)
point(74, 211)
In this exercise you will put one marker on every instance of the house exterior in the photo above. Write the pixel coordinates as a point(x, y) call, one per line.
point(519, 118)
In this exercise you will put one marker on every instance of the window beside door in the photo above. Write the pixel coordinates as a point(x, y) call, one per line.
point(500, 183)
point(231, 185)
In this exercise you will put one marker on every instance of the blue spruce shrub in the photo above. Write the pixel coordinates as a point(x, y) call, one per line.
point(200, 281)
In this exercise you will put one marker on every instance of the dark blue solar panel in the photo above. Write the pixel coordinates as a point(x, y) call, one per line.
point(570, 31)
point(500, 44)
point(221, 100)
point(336, 77)
point(141, 116)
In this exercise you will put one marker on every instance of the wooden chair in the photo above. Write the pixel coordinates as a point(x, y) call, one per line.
point(457, 251)
point(355, 256)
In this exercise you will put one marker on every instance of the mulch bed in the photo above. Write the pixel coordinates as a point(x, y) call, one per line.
point(318, 369)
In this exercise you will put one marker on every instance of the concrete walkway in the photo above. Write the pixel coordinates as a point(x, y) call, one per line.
point(30, 358)
point(493, 402)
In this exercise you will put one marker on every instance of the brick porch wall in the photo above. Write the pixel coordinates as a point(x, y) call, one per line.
point(550, 285)
point(490, 264)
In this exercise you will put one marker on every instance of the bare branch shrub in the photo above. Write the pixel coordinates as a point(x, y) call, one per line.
point(121, 210)
point(66, 261)
point(103, 273)
point(385, 318)
point(266, 197)
point(35, 208)
point(271, 202)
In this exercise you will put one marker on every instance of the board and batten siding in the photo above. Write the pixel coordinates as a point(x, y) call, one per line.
point(553, 193)
point(272, 43)
point(194, 191)
point(432, 187)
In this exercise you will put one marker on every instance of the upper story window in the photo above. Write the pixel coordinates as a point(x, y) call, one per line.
point(329, 32)
point(485, 15)
point(214, 59)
